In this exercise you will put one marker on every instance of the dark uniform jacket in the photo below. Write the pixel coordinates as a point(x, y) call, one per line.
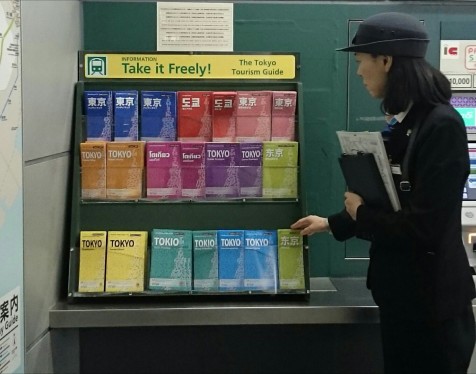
point(418, 266)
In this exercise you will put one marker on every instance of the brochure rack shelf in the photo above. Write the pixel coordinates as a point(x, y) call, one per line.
point(147, 214)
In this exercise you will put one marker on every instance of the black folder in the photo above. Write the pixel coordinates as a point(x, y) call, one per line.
point(363, 177)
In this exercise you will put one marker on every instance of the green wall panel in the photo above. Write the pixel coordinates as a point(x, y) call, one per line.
point(334, 98)
point(120, 26)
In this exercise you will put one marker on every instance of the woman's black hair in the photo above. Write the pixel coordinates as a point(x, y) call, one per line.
point(414, 80)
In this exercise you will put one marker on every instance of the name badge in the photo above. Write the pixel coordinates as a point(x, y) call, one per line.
point(396, 169)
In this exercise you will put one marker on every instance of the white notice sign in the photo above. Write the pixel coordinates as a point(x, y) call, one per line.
point(191, 27)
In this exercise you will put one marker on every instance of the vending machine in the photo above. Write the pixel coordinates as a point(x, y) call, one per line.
point(458, 63)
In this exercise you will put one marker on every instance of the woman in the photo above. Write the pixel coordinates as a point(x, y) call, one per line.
point(418, 274)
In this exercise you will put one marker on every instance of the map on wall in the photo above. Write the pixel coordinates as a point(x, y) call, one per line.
point(11, 197)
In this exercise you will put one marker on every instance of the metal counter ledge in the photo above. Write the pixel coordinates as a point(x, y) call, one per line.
point(332, 301)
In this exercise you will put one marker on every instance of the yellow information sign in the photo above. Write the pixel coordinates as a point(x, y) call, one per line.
point(183, 66)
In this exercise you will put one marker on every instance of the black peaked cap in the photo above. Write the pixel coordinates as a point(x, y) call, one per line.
point(393, 34)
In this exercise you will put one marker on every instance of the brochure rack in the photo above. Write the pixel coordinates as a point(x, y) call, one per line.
point(145, 214)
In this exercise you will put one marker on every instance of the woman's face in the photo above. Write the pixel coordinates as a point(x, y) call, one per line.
point(373, 71)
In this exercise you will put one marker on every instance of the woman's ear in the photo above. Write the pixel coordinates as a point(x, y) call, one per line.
point(387, 63)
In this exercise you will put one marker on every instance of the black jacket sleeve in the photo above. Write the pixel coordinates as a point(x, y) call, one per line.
point(342, 225)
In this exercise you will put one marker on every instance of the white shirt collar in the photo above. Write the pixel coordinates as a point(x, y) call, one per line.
point(401, 116)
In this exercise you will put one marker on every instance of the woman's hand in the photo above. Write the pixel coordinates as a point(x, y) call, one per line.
point(311, 224)
point(352, 201)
